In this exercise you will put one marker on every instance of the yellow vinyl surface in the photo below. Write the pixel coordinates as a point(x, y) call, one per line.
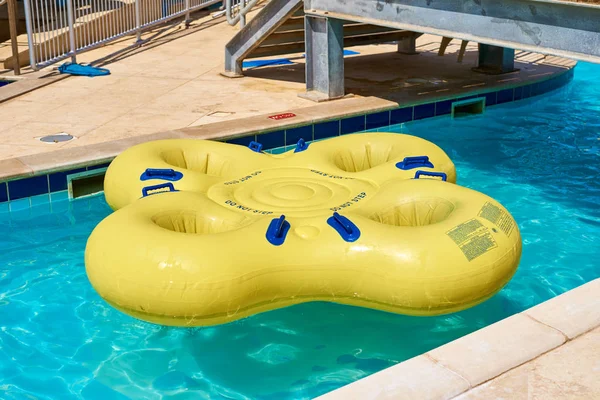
point(201, 255)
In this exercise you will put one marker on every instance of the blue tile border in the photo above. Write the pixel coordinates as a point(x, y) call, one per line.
point(353, 124)
point(39, 190)
point(58, 180)
point(423, 111)
point(378, 120)
point(3, 192)
point(243, 141)
point(50, 188)
point(292, 136)
point(272, 139)
point(401, 115)
point(444, 107)
point(284, 140)
point(518, 93)
point(324, 130)
point(490, 98)
point(28, 187)
point(505, 96)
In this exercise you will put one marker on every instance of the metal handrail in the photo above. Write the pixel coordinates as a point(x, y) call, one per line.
point(61, 29)
point(244, 7)
point(3, 2)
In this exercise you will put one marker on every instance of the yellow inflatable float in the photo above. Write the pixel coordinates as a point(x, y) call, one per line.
point(207, 233)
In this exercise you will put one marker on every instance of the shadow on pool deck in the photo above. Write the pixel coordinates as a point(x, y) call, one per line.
point(175, 82)
point(411, 78)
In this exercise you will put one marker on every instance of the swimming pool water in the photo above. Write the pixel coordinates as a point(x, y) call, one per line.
point(58, 340)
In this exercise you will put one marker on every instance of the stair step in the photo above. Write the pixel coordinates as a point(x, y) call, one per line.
point(350, 30)
point(297, 23)
point(292, 24)
point(278, 29)
point(360, 40)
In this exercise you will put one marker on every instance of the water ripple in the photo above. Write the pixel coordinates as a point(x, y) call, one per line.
point(59, 340)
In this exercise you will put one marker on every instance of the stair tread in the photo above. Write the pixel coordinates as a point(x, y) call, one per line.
point(297, 47)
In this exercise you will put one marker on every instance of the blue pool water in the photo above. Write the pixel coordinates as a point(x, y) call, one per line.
point(59, 340)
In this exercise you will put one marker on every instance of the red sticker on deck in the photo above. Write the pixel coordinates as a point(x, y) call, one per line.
point(282, 116)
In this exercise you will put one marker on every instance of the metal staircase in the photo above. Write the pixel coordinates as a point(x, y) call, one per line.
point(279, 29)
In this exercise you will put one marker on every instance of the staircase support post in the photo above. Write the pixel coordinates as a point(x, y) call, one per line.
point(408, 45)
point(495, 60)
point(233, 65)
point(324, 39)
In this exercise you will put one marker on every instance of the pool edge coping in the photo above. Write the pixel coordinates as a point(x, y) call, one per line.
point(456, 367)
point(98, 153)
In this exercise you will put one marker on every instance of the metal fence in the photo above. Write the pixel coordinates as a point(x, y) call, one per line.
point(58, 29)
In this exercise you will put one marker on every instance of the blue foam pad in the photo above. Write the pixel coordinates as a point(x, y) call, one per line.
point(82, 70)
point(264, 63)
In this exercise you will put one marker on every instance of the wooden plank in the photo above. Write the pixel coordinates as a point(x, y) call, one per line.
point(12, 21)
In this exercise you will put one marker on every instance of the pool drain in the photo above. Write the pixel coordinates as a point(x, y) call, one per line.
point(59, 137)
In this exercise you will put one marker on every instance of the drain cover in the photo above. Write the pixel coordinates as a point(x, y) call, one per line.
point(60, 137)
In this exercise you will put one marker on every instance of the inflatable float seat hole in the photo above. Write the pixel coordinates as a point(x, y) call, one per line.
point(209, 163)
point(415, 212)
point(365, 156)
point(195, 223)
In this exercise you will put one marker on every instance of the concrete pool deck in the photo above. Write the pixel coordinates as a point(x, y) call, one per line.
point(174, 82)
point(551, 351)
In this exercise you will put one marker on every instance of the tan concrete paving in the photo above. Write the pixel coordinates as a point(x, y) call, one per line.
point(174, 82)
point(551, 351)
point(568, 372)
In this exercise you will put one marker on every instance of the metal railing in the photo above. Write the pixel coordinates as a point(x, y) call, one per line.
point(236, 11)
point(58, 29)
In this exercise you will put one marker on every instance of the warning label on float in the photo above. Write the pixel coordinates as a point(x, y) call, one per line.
point(473, 238)
point(243, 179)
point(497, 216)
point(353, 200)
point(237, 206)
point(326, 175)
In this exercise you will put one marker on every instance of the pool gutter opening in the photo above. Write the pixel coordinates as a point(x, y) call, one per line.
point(468, 107)
point(86, 183)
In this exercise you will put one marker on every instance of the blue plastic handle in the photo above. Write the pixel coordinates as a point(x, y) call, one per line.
point(346, 228)
point(428, 173)
point(147, 189)
point(301, 146)
point(255, 146)
point(414, 162)
point(161, 173)
point(277, 231)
